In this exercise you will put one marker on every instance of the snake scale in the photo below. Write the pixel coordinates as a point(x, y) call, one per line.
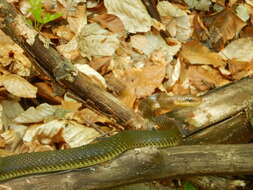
point(91, 154)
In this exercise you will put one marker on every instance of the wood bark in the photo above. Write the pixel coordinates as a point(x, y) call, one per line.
point(217, 105)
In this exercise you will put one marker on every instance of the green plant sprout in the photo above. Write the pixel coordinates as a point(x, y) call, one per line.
point(189, 186)
point(40, 16)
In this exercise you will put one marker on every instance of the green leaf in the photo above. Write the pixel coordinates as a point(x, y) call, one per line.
point(189, 186)
point(39, 14)
point(50, 17)
point(29, 22)
point(35, 3)
point(36, 10)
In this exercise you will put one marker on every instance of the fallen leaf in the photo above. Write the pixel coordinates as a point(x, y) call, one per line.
point(34, 146)
point(110, 22)
point(77, 18)
point(205, 77)
point(196, 53)
point(69, 50)
point(47, 92)
point(87, 116)
point(222, 27)
point(63, 32)
point(133, 15)
point(178, 23)
point(199, 4)
point(11, 139)
point(35, 115)
point(173, 72)
point(11, 53)
point(143, 81)
point(10, 110)
point(92, 74)
point(96, 41)
point(166, 8)
point(18, 86)
point(242, 12)
point(76, 135)
point(240, 69)
point(150, 43)
point(241, 50)
point(44, 131)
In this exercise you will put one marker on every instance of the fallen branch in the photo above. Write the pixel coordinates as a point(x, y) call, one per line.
point(147, 164)
point(61, 70)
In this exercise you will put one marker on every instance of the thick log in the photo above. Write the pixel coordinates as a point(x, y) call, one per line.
point(217, 105)
point(146, 164)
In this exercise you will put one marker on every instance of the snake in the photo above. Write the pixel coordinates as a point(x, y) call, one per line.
point(91, 154)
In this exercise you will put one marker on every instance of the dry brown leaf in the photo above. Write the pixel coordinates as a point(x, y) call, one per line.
point(11, 139)
point(46, 91)
point(205, 77)
point(77, 18)
point(101, 64)
point(34, 146)
point(141, 82)
point(173, 72)
point(18, 86)
point(196, 53)
point(25, 7)
point(44, 132)
point(96, 41)
point(200, 33)
point(184, 28)
point(11, 109)
point(150, 43)
point(35, 115)
point(92, 74)
point(86, 116)
point(4, 153)
point(178, 23)
point(110, 22)
point(69, 50)
point(133, 14)
point(70, 105)
point(166, 8)
point(72, 133)
point(63, 32)
point(241, 50)
point(1, 117)
point(223, 26)
point(11, 53)
point(249, 6)
point(240, 69)
point(76, 135)
point(247, 32)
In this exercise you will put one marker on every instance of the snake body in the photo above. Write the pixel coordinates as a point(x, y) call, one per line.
point(84, 156)
point(106, 149)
